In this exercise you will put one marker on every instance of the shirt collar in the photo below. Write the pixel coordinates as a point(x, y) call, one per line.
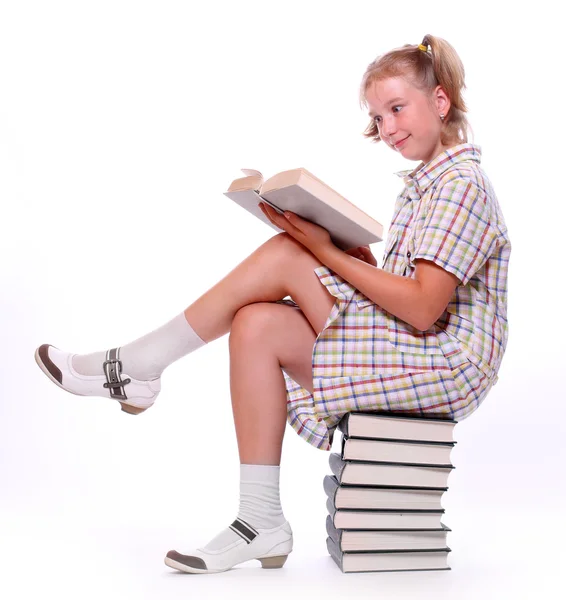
point(425, 174)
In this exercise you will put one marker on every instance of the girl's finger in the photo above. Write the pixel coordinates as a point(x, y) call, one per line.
point(268, 211)
point(265, 211)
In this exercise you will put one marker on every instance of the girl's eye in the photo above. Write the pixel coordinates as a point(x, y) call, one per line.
point(376, 119)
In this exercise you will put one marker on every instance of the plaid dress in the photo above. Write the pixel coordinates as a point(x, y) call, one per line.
point(366, 359)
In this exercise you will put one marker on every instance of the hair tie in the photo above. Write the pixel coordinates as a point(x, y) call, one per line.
point(423, 48)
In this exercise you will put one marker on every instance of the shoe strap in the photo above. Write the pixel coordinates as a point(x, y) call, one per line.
point(244, 530)
point(113, 369)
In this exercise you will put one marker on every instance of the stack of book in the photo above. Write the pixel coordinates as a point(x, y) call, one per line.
point(385, 494)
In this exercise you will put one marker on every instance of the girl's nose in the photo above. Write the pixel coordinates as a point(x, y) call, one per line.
point(388, 127)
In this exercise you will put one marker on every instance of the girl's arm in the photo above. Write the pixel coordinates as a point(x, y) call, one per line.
point(455, 240)
point(419, 301)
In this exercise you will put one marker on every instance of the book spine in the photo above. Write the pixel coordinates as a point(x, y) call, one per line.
point(343, 423)
point(335, 553)
point(331, 509)
point(337, 465)
point(330, 485)
point(333, 533)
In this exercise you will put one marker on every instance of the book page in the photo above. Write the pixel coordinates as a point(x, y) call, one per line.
point(252, 181)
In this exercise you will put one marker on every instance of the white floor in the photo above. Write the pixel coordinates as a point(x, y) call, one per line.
point(66, 559)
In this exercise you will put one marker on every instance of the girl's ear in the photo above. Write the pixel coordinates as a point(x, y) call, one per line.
point(442, 100)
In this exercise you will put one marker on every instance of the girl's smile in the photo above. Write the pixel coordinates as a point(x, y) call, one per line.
point(401, 143)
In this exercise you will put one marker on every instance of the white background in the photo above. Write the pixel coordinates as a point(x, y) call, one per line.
point(121, 124)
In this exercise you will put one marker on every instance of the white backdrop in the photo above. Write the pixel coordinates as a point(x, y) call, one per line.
point(121, 124)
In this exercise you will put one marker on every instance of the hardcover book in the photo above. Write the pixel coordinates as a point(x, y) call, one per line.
point(397, 427)
point(359, 518)
point(352, 540)
point(414, 560)
point(300, 192)
point(382, 497)
point(357, 472)
point(409, 452)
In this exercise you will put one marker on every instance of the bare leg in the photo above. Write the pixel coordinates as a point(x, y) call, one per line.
point(281, 267)
point(259, 405)
point(264, 339)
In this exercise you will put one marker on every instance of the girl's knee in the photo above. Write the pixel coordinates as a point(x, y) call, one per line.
point(253, 322)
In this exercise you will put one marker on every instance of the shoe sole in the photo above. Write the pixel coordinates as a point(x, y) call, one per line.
point(127, 408)
point(269, 562)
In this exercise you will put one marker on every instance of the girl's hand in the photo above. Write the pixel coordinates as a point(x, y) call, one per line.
point(310, 235)
point(363, 253)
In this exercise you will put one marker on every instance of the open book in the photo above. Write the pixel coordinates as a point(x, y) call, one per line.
point(302, 193)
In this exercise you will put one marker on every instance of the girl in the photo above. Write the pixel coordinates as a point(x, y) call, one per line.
point(423, 334)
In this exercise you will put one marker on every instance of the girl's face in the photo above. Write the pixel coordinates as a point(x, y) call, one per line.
point(406, 121)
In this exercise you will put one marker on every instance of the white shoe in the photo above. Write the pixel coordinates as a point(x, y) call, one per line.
point(270, 546)
point(134, 395)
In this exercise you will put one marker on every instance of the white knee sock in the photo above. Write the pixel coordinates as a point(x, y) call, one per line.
point(260, 505)
point(147, 357)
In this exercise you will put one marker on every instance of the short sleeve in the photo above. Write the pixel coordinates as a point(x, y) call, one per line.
point(457, 233)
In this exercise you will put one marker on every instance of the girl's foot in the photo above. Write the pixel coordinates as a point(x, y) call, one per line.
point(270, 546)
point(134, 395)
point(130, 374)
point(259, 532)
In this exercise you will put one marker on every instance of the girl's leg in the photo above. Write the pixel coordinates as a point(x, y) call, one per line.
point(281, 267)
point(264, 338)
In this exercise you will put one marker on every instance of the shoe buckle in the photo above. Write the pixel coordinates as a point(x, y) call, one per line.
point(113, 369)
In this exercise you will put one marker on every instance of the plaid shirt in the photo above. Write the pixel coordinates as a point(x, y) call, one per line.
point(366, 359)
point(448, 213)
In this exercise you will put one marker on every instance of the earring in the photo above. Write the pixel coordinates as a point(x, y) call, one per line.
point(442, 117)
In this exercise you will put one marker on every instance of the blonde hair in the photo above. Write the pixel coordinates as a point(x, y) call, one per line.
point(440, 65)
